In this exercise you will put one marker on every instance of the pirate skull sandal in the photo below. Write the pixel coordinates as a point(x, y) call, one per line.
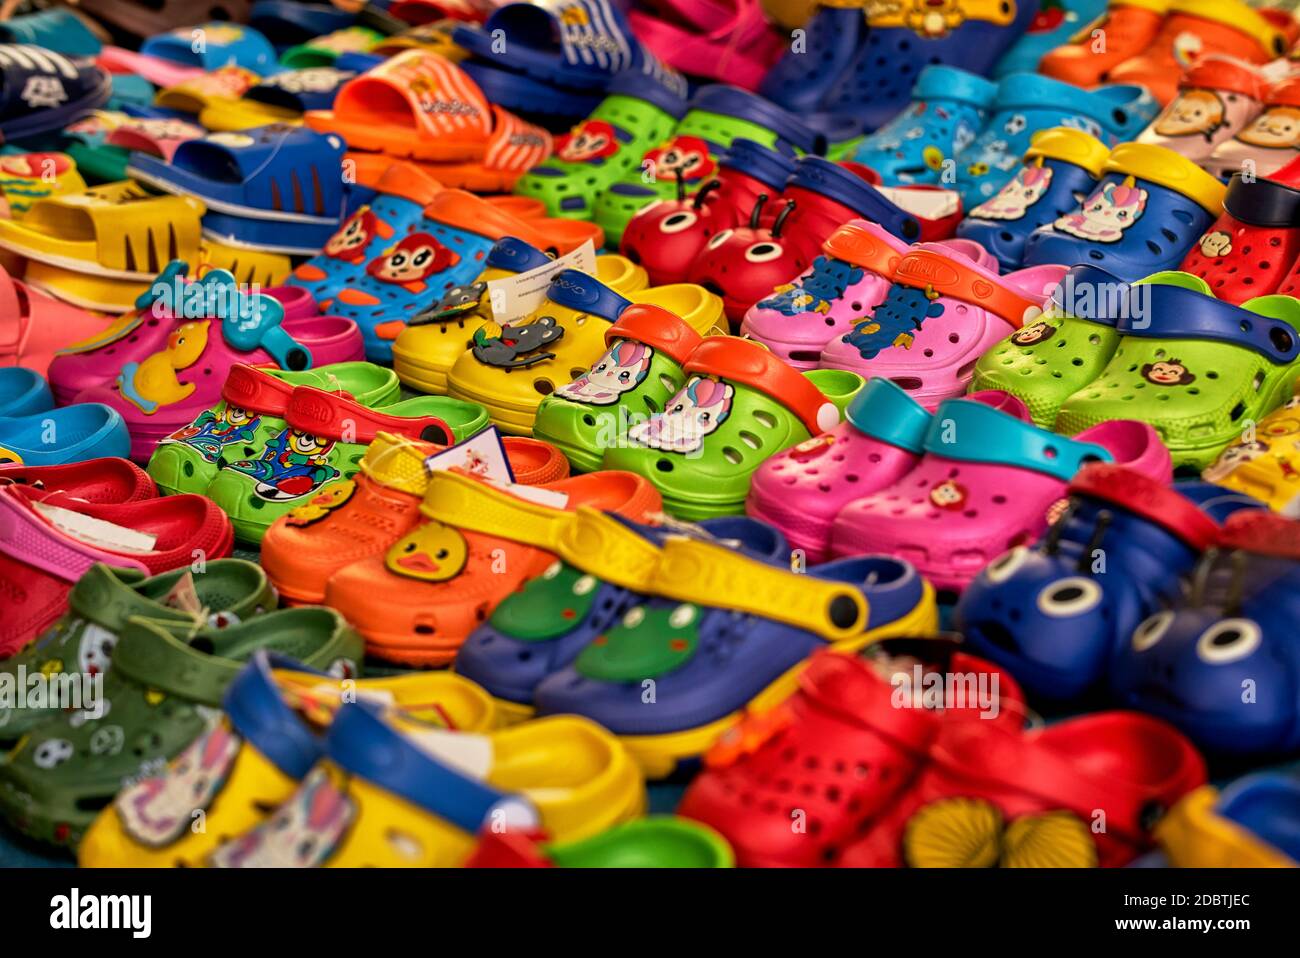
point(1194, 368)
point(510, 368)
point(1061, 165)
point(418, 601)
point(1027, 103)
point(58, 437)
point(1219, 664)
point(995, 483)
point(104, 481)
point(739, 405)
point(226, 592)
point(1142, 216)
point(1054, 614)
point(993, 794)
point(542, 628)
point(163, 692)
point(250, 761)
point(1269, 141)
point(946, 308)
point(1250, 824)
point(949, 107)
point(1217, 98)
point(1049, 359)
point(841, 745)
point(667, 645)
point(431, 343)
point(1245, 253)
point(427, 807)
point(1128, 26)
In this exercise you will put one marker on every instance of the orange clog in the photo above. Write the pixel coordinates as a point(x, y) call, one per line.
point(1126, 29)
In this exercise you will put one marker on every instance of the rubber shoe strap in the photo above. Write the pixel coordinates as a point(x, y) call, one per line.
point(609, 550)
point(397, 463)
point(27, 538)
point(473, 506)
point(941, 276)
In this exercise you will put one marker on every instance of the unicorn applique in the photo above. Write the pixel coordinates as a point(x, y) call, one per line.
point(620, 370)
point(1022, 191)
point(699, 407)
point(1107, 213)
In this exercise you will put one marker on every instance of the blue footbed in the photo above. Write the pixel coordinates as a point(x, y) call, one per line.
point(81, 432)
point(23, 392)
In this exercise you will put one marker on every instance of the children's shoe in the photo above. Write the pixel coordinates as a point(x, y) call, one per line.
point(418, 602)
point(1027, 103)
point(800, 81)
point(1189, 664)
point(543, 627)
point(1128, 27)
point(1143, 216)
point(1217, 97)
point(1246, 252)
point(430, 344)
point(253, 758)
point(1194, 368)
point(840, 744)
point(739, 406)
point(949, 108)
point(102, 481)
point(997, 795)
point(102, 602)
point(1061, 165)
point(1266, 144)
point(1199, 28)
point(746, 263)
point(730, 41)
point(1263, 463)
point(1053, 615)
point(667, 236)
point(48, 540)
point(1056, 23)
point(946, 308)
point(658, 841)
point(640, 370)
point(34, 326)
point(62, 436)
point(995, 483)
point(1250, 824)
point(427, 806)
point(161, 695)
point(602, 149)
point(768, 629)
point(510, 368)
point(303, 549)
point(23, 392)
point(1049, 359)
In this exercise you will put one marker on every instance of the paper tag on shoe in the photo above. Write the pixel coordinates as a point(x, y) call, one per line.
point(514, 297)
point(482, 456)
point(97, 532)
point(183, 596)
point(926, 204)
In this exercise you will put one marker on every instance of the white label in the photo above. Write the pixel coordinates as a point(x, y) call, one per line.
point(482, 456)
point(543, 497)
point(517, 296)
point(97, 532)
point(926, 204)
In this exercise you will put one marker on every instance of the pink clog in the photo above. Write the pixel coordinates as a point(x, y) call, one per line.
point(34, 326)
point(159, 72)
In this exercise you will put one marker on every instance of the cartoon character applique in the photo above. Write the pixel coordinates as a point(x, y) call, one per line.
point(1233, 457)
point(1033, 334)
point(1193, 113)
point(349, 243)
point(620, 370)
point(828, 281)
point(1277, 128)
point(212, 431)
point(412, 261)
point(1215, 243)
point(1021, 192)
point(934, 18)
point(1107, 213)
point(591, 141)
point(151, 384)
point(950, 495)
point(434, 552)
point(699, 408)
point(95, 649)
point(517, 347)
point(302, 833)
point(457, 303)
point(321, 505)
point(683, 157)
point(158, 810)
point(293, 464)
point(895, 321)
point(1169, 372)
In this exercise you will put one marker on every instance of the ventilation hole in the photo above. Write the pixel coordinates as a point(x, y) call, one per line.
point(750, 440)
point(765, 419)
point(544, 386)
point(733, 456)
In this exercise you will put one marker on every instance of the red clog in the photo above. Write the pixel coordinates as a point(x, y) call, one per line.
point(104, 481)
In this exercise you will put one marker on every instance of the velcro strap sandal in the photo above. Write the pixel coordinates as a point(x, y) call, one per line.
point(1217, 98)
point(1061, 165)
point(1250, 824)
point(988, 481)
point(251, 760)
point(1194, 368)
point(164, 692)
point(667, 646)
point(1143, 216)
point(739, 406)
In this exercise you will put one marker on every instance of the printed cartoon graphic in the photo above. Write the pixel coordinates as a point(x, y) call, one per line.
point(293, 464)
point(933, 18)
point(814, 293)
point(1277, 128)
point(1214, 244)
point(950, 495)
point(620, 370)
point(1033, 334)
point(212, 431)
point(457, 302)
point(1167, 373)
point(686, 157)
point(1232, 457)
point(434, 552)
point(517, 346)
point(894, 322)
point(1021, 192)
point(160, 809)
point(1107, 213)
point(152, 384)
point(589, 141)
point(1193, 113)
point(699, 407)
point(95, 649)
point(412, 261)
point(349, 243)
point(322, 504)
point(302, 833)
